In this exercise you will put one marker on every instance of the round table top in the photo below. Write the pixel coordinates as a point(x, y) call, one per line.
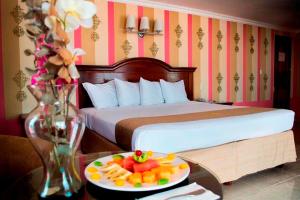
point(27, 187)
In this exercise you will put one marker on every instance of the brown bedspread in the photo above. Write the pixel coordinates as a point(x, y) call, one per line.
point(125, 128)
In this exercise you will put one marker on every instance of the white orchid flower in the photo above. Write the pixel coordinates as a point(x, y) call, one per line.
point(72, 68)
point(75, 13)
point(45, 7)
point(76, 51)
point(73, 71)
point(50, 22)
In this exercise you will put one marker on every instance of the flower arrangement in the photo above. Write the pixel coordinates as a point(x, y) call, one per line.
point(56, 121)
point(49, 22)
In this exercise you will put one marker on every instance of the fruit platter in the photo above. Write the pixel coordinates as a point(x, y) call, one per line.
point(137, 171)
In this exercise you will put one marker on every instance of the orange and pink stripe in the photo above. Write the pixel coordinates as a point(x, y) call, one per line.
point(111, 33)
point(140, 40)
point(228, 50)
point(210, 65)
point(167, 37)
point(258, 63)
point(190, 40)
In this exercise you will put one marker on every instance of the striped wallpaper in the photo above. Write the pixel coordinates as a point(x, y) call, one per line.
point(233, 60)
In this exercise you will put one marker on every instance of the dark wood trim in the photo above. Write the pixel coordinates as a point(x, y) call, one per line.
point(131, 70)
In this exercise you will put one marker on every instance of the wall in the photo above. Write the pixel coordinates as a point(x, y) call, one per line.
point(233, 60)
point(217, 61)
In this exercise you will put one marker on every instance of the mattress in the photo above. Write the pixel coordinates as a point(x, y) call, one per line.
point(184, 136)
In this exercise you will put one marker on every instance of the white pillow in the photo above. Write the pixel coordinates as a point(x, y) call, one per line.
point(102, 95)
point(173, 92)
point(128, 93)
point(150, 92)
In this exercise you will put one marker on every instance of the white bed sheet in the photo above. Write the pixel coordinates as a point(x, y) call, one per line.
point(183, 136)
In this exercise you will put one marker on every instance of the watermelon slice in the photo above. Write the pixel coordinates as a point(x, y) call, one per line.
point(145, 166)
point(128, 163)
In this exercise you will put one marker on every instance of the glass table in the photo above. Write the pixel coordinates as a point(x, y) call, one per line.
point(26, 187)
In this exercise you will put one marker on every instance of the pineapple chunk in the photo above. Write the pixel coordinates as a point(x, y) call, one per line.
point(175, 169)
point(115, 172)
point(164, 174)
point(149, 177)
point(135, 178)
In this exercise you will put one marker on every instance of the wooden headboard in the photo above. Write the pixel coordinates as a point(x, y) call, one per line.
point(131, 70)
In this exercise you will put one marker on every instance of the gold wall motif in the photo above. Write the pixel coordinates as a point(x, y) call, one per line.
point(251, 40)
point(200, 35)
point(236, 41)
point(18, 14)
point(251, 78)
point(126, 48)
point(219, 37)
point(266, 78)
point(96, 23)
point(219, 79)
point(236, 79)
point(178, 32)
point(20, 79)
point(154, 49)
point(266, 44)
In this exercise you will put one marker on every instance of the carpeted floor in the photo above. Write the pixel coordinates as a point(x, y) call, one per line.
point(272, 184)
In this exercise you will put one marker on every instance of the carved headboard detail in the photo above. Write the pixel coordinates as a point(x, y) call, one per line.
point(131, 70)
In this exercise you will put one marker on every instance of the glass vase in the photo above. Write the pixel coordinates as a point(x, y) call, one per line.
point(55, 128)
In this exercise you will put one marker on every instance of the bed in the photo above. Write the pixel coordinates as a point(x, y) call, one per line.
point(221, 144)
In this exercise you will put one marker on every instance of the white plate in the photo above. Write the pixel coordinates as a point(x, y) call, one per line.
point(108, 184)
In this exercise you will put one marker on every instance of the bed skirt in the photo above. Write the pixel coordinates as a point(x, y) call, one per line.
point(227, 162)
point(231, 161)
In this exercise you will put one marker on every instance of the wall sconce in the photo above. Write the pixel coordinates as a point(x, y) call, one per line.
point(144, 28)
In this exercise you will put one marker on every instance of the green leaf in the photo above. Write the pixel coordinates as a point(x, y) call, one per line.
point(29, 15)
point(31, 37)
point(31, 71)
point(28, 52)
point(52, 69)
point(48, 98)
point(49, 38)
point(44, 51)
point(46, 77)
point(33, 29)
